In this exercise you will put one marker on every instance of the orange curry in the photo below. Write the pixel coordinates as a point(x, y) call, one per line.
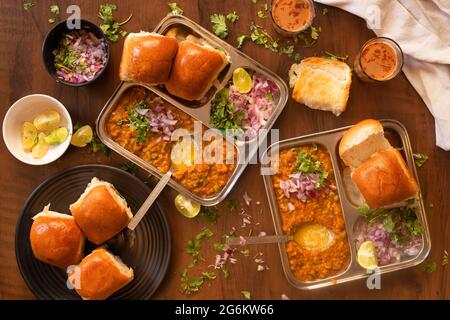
point(203, 179)
point(325, 210)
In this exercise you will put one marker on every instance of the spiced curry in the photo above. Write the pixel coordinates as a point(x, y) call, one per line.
point(142, 123)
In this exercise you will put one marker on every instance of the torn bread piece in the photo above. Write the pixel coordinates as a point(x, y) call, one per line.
point(322, 84)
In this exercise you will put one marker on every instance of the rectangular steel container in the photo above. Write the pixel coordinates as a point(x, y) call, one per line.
point(199, 110)
point(349, 198)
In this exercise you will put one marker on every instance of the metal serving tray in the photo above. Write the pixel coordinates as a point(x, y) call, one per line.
point(199, 110)
point(350, 198)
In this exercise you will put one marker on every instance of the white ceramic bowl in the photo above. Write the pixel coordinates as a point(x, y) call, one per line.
point(26, 109)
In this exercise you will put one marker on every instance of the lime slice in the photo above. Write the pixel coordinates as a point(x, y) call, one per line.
point(41, 148)
point(242, 80)
point(367, 256)
point(186, 206)
point(29, 135)
point(47, 120)
point(82, 136)
point(57, 136)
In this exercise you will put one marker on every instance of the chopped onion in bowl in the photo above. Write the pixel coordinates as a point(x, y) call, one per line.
point(388, 248)
point(79, 56)
point(304, 186)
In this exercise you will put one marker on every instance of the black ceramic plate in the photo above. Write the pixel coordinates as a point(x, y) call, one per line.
point(147, 249)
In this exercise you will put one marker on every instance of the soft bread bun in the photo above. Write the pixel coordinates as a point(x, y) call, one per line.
point(194, 70)
point(56, 239)
point(384, 179)
point(147, 58)
point(99, 275)
point(361, 141)
point(101, 212)
point(322, 84)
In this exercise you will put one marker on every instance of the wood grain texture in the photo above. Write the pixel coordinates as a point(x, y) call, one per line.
point(22, 73)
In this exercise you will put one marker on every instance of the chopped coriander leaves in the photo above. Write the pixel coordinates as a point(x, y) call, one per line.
point(193, 246)
point(130, 167)
point(97, 146)
point(240, 40)
point(232, 17)
point(420, 159)
point(309, 36)
point(209, 215)
point(428, 266)
point(315, 32)
point(260, 36)
point(245, 252)
point(27, 5)
point(324, 11)
point(138, 122)
point(54, 9)
point(331, 56)
point(219, 25)
point(175, 9)
point(51, 20)
point(223, 112)
point(262, 14)
point(110, 27)
point(226, 272)
point(232, 204)
point(309, 164)
point(247, 295)
point(193, 285)
point(220, 247)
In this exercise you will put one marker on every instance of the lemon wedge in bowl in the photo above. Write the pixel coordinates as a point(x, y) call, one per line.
point(367, 255)
point(242, 80)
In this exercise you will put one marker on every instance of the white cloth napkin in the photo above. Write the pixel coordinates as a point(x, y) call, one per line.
point(422, 29)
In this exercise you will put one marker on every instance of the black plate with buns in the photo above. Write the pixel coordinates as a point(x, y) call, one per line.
point(146, 250)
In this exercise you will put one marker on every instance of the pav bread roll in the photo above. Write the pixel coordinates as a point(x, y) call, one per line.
point(384, 179)
point(99, 275)
point(101, 212)
point(361, 141)
point(194, 70)
point(56, 239)
point(147, 58)
point(322, 84)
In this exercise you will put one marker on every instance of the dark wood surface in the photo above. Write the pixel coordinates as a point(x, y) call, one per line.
point(22, 73)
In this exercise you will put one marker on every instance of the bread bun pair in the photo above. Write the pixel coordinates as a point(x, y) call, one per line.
point(187, 69)
point(379, 170)
point(58, 239)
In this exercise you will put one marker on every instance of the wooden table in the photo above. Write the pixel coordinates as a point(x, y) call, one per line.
point(22, 73)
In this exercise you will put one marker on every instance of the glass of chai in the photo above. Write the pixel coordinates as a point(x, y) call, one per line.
point(290, 17)
point(380, 59)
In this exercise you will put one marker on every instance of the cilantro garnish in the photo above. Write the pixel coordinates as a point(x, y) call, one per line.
point(175, 9)
point(420, 159)
point(232, 17)
point(110, 27)
point(27, 5)
point(331, 56)
point(130, 167)
point(209, 215)
point(219, 25)
point(223, 112)
point(309, 164)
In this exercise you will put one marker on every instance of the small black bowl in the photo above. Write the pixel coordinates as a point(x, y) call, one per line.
point(52, 40)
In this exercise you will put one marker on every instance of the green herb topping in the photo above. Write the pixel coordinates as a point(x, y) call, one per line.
point(175, 9)
point(110, 27)
point(219, 26)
